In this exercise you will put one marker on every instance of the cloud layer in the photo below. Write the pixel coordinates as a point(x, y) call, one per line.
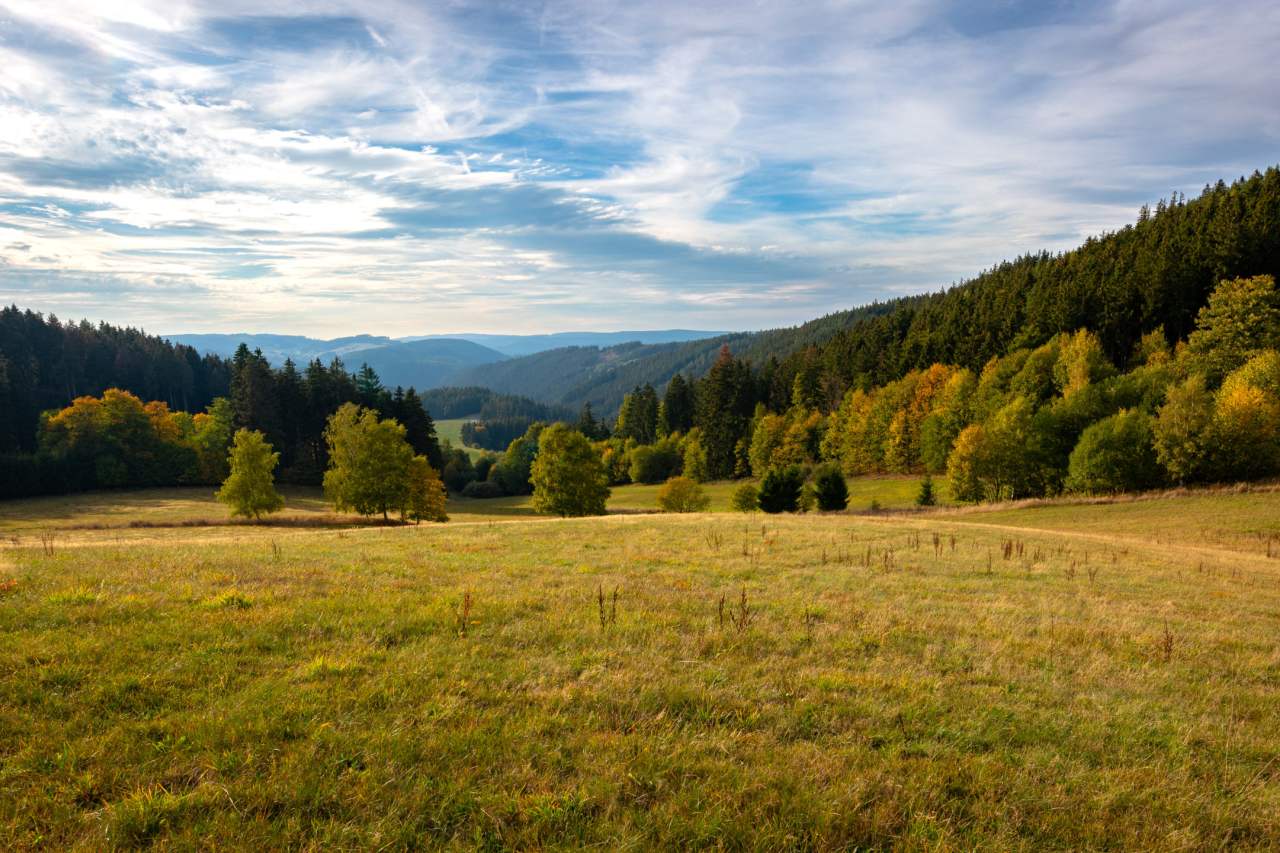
point(406, 168)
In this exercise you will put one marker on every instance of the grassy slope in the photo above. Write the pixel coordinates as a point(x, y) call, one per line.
point(266, 687)
point(451, 429)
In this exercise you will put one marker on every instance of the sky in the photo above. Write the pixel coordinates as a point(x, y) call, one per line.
point(327, 168)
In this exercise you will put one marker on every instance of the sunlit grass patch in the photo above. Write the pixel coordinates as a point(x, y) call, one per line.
point(323, 666)
point(136, 820)
point(78, 595)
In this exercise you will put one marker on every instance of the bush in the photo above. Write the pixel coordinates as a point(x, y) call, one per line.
point(1182, 430)
point(483, 490)
point(458, 469)
point(680, 494)
point(654, 463)
point(1115, 454)
point(426, 496)
point(808, 498)
point(780, 489)
point(746, 498)
point(831, 490)
point(483, 466)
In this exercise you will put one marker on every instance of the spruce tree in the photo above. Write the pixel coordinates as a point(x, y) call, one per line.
point(678, 406)
point(725, 402)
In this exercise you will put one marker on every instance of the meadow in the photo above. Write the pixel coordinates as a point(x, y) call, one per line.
point(1051, 676)
point(450, 430)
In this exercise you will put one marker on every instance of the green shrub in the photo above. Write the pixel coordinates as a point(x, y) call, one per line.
point(926, 496)
point(655, 463)
point(568, 475)
point(250, 488)
point(746, 498)
point(680, 494)
point(482, 490)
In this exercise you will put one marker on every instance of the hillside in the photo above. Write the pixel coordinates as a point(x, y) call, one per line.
point(426, 363)
point(278, 348)
point(1155, 273)
point(519, 345)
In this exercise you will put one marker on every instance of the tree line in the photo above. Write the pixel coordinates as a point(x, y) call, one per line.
point(45, 364)
point(1060, 417)
point(116, 440)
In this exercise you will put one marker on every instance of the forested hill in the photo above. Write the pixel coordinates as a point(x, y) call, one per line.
point(45, 364)
point(601, 376)
point(1156, 272)
point(486, 404)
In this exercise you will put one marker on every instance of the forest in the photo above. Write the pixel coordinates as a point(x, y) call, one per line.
point(1145, 357)
point(116, 440)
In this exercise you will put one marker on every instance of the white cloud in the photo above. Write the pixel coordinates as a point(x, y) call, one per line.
point(475, 164)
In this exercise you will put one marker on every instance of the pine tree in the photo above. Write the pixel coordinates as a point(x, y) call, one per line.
point(588, 425)
point(725, 402)
point(926, 497)
point(253, 393)
point(830, 489)
point(420, 429)
point(291, 398)
point(780, 489)
point(369, 389)
point(678, 406)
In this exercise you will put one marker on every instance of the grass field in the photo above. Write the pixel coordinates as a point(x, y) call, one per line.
point(135, 514)
point(1062, 677)
point(451, 429)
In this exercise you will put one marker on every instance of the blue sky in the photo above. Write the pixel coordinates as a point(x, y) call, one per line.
point(328, 167)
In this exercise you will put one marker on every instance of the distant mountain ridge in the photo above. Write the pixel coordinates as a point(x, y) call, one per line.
point(422, 364)
point(277, 348)
point(520, 345)
point(601, 376)
point(551, 366)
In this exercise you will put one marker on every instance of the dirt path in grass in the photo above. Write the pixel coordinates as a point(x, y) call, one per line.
point(1107, 539)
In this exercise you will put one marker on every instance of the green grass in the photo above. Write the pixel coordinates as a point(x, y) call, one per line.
point(451, 430)
point(460, 686)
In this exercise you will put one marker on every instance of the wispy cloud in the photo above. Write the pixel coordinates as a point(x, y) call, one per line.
point(405, 168)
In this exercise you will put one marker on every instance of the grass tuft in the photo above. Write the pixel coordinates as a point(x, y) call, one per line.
point(232, 599)
point(78, 595)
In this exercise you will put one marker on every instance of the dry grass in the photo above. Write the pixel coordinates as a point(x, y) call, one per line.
point(722, 681)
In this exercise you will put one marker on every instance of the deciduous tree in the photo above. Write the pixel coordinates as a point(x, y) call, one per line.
point(249, 489)
point(568, 476)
